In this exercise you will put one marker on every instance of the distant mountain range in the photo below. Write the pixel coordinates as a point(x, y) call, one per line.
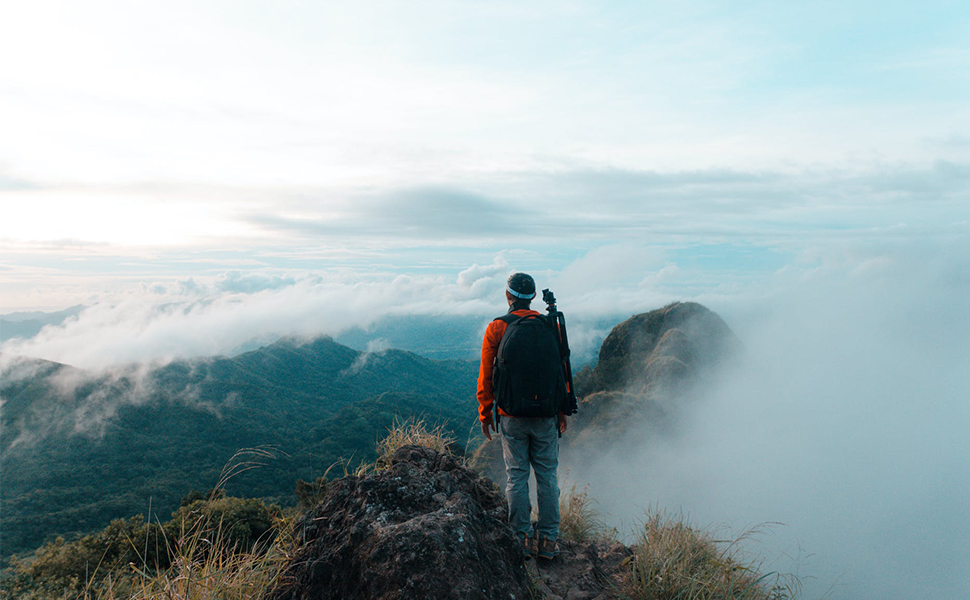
point(78, 448)
point(28, 324)
point(442, 337)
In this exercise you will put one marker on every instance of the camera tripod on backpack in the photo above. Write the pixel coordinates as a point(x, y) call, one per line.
point(557, 321)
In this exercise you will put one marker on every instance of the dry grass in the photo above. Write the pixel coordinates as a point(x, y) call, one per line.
point(578, 520)
point(205, 566)
point(208, 560)
point(412, 431)
point(674, 561)
point(210, 568)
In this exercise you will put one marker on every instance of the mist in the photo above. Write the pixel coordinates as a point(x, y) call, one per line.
point(844, 423)
point(234, 312)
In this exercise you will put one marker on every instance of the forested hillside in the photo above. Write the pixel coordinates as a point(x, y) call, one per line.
point(78, 449)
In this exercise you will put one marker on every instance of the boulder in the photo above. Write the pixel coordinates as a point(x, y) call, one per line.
point(426, 527)
point(664, 348)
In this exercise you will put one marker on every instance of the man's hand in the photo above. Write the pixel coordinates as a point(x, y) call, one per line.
point(562, 424)
point(489, 422)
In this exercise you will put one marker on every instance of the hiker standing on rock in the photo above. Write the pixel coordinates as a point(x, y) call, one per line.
point(522, 393)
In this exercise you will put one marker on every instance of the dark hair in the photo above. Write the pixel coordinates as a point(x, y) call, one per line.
point(522, 286)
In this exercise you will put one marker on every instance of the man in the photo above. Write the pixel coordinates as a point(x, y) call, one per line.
point(526, 441)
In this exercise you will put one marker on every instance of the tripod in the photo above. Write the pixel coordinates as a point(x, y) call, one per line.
point(558, 322)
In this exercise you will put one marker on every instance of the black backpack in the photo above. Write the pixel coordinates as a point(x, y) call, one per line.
point(527, 376)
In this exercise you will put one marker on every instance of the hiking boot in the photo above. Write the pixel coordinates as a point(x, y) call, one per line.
point(530, 546)
point(548, 549)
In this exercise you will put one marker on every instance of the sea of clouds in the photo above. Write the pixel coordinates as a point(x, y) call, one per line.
point(158, 323)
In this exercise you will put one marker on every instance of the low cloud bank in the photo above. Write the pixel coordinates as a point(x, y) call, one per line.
point(159, 323)
point(845, 421)
point(198, 319)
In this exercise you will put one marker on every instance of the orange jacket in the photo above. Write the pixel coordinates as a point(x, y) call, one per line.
point(493, 336)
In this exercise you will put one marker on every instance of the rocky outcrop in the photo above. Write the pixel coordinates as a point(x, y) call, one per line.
point(426, 527)
point(666, 347)
point(646, 364)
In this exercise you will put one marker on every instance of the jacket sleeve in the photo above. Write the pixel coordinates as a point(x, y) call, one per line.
point(493, 336)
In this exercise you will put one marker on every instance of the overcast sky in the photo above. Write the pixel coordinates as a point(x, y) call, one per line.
point(144, 144)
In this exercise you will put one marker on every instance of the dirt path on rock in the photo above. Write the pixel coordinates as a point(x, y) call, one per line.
point(582, 571)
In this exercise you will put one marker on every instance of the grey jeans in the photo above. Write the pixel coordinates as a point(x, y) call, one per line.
point(532, 442)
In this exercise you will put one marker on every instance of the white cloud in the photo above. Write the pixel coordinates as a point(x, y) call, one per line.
point(248, 283)
point(206, 174)
point(844, 421)
point(217, 314)
point(198, 319)
point(374, 347)
point(607, 269)
point(321, 94)
point(479, 280)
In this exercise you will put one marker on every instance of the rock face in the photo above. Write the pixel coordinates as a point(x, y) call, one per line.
point(425, 528)
point(664, 347)
point(645, 365)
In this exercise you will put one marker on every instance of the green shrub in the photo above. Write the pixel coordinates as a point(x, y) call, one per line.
point(309, 494)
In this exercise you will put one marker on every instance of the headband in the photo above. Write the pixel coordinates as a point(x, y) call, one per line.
point(518, 295)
